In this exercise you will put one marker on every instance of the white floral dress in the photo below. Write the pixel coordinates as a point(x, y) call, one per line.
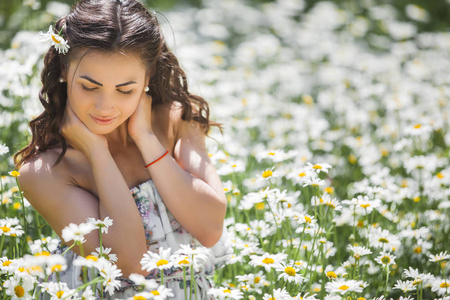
point(161, 230)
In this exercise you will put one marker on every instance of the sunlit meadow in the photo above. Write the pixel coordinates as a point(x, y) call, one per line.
point(334, 155)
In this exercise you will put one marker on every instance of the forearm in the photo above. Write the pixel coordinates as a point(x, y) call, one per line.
point(192, 201)
point(126, 236)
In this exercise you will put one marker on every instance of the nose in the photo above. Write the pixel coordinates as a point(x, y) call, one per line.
point(104, 104)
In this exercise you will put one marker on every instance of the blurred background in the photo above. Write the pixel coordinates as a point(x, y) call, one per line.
point(16, 15)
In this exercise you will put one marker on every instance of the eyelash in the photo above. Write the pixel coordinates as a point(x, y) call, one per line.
point(90, 90)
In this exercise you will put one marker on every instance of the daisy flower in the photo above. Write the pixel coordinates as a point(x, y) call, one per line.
point(305, 297)
point(281, 294)
point(148, 284)
point(159, 261)
point(385, 259)
point(225, 293)
point(319, 167)
point(197, 257)
point(268, 261)
point(3, 149)
point(440, 286)
point(161, 293)
point(110, 273)
point(88, 294)
point(359, 251)
point(103, 225)
point(343, 286)
point(289, 274)
point(77, 232)
point(416, 276)
point(404, 286)
point(58, 41)
point(439, 257)
point(105, 253)
point(58, 290)
point(19, 287)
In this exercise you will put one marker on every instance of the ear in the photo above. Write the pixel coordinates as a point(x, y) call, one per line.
point(64, 70)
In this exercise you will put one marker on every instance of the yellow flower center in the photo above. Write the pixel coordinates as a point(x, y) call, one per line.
point(183, 262)
point(43, 253)
point(155, 292)
point(440, 175)
point(418, 250)
point(15, 174)
point(21, 269)
point(267, 173)
point(227, 291)
point(259, 206)
point(302, 174)
point(308, 219)
point(385, 260)
point(365, 205)
point(361, 298)
point(290, 271)
point(417, 281)
point(271, 153)
point(56, 268)
point(268, 260)
point(417, 126)
point(417, 199)
point(55, 39)
point(19, 291)
point(59, 294)
point(317, 167)
point(343, 287)
point(257, 279)
point(139, 298)
point(16, 205)
point(383, 240)
point(331, 274)
point(234, 166)
point(329, 190)
point(444, 285)
point(352, 159)
point(161, 262)
point(92, 257)
point(5, 229)
point(7, 263)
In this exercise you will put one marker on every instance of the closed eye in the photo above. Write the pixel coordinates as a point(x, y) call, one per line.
point(87, 89)
point(92, 89)
point(125, 92)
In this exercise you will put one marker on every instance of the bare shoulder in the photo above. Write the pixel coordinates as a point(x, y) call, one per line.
point(53, 190)
point(40, 169)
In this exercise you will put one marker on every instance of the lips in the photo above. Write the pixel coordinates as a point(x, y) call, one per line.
point(102, 120)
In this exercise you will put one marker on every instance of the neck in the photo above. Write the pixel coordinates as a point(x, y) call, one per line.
point(119, 138)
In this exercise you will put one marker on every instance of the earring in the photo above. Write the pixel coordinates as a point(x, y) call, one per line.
point(61, 80)
point(146, 89)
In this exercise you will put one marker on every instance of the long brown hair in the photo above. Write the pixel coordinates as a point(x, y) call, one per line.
point(109, 26)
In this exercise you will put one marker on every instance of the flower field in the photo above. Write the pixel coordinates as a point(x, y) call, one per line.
point(335, 154)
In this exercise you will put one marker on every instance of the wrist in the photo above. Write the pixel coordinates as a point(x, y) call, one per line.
point(97, 151)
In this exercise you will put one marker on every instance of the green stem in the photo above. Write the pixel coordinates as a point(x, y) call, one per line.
point(24, 241)
point(184, 282)
point(162, 276)
point(38, 224)
point(387, 280)
point(68, 248)
point(1, 245)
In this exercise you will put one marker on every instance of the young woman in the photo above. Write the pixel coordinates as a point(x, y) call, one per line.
point(119, 133)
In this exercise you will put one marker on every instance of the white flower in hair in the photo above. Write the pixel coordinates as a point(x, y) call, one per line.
point(58, 41)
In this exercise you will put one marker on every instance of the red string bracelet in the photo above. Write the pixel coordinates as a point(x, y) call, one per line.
point(157, 159)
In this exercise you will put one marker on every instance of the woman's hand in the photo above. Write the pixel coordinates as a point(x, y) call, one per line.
point(140, 122)
point(78, 134)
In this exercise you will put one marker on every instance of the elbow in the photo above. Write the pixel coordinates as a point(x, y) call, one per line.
point(210, 239)
point(128, 270)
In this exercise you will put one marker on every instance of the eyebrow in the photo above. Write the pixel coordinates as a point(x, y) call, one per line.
point(98, 83)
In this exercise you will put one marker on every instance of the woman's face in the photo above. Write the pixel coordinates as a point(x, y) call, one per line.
point(104, 89)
